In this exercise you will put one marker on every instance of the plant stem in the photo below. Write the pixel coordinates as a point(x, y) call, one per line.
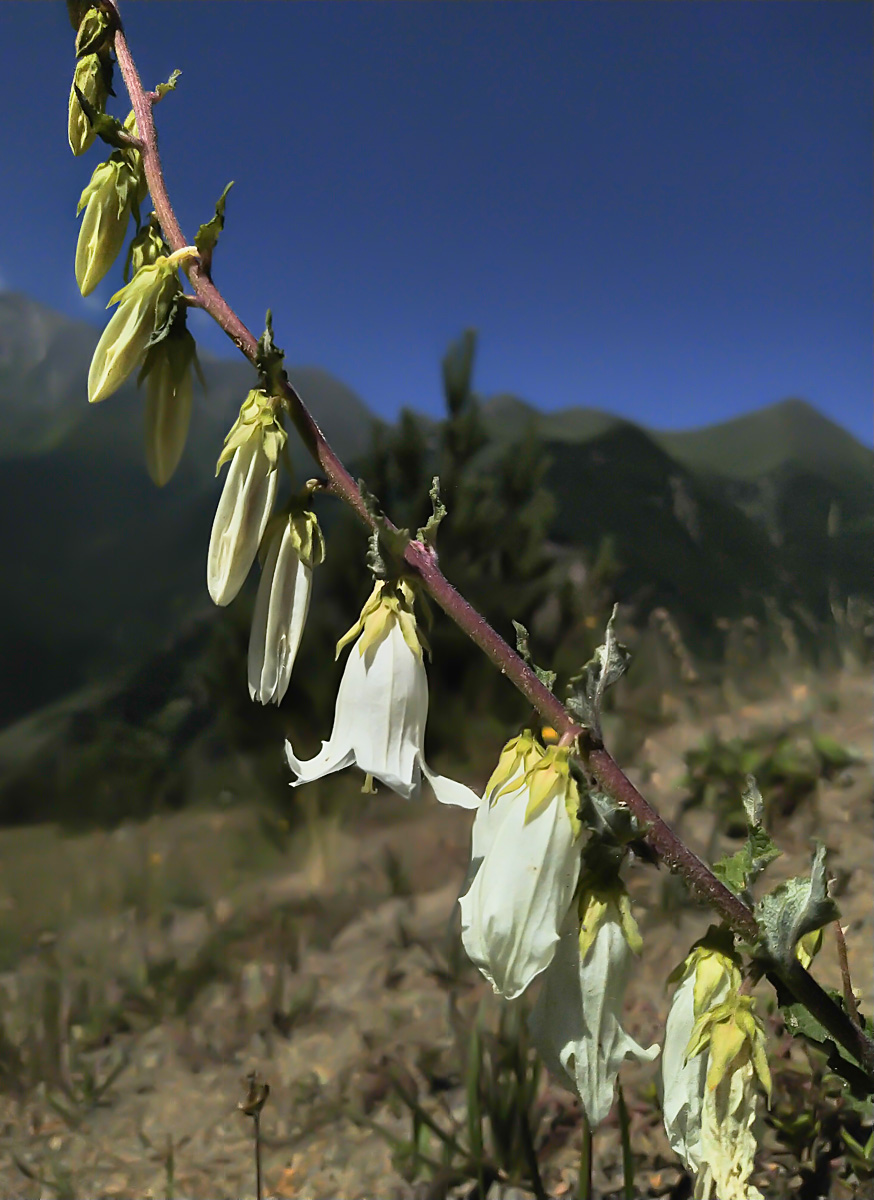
point(849, 998)
point(584, 1183)
point(625, 1136)
point(423, 560)
point(258, 1188)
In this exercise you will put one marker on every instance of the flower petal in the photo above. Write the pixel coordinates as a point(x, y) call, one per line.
point(449, 791)
point(240, 519)
point(575, 1022)
point(682, 1081)
point(393, 707)
point(514, 908)
point(278, 621)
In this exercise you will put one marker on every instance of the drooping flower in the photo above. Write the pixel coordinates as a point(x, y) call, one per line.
point(253, 447)
point(382, 705)
point(714, 1054)
point(706, 977)
point(575, 1023)
point(526, 856)
point(293, 547)
point(143, 306)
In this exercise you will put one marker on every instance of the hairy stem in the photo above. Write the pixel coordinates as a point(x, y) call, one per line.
point(423, 560)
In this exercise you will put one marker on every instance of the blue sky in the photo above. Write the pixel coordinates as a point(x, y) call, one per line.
point(659, 209)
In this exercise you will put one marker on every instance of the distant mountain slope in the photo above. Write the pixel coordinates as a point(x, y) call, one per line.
point(762, 442)
point(104, 566)
point(803, 482)
point(679, 544)
point(507, 417)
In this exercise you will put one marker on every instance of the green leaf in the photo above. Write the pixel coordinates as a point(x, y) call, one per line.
point(170, 86)
point(795, 908)
point(427, 533)
point(384, 536)
point(604, 668)
point(604, 815)
point(834, 756)
point(740, 870)
point(269, 359)
point(547, 678)
point(106, 127)
point(208, 234)
point(802, 1023)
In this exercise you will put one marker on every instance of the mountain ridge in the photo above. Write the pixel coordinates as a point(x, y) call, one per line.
point(104, 564)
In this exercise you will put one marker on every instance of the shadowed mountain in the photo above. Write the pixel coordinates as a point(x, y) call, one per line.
point(105, 566)
point(105, 563)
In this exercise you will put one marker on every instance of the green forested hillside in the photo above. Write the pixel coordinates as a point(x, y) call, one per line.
point(552, 518)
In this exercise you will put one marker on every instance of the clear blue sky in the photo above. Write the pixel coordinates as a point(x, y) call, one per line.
point(660, 209)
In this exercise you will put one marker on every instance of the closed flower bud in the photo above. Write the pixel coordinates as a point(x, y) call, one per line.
point(169, 393)
point(294, 545)
point(92, 32)
point(148, 245)
point(253, 447)
point(90, 78)
point(143, 306)
point(108, 200)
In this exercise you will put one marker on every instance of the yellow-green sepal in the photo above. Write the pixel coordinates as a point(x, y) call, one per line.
point(257, 419)
point(392, 600)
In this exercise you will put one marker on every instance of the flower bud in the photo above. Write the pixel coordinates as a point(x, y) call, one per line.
point(148, 245)
point(92, 32)
point(108, 200)
point(169, 392)
point(143, 306)
point(90, 78)
point(253, 446)
point(294, 546)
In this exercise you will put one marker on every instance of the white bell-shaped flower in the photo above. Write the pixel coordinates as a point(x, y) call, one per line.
point(253, 446)
point(294, 546)
point(575, 1023)
point(382, 705)
point(526, 857)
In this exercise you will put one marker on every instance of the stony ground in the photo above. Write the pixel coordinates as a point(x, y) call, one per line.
point(334, 978)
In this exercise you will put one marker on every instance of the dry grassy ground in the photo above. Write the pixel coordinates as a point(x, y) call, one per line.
point(148, 970)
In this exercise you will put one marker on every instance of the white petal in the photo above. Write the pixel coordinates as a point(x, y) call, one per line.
point(683, 1082)
point(390, 721)
point(449, 791)
point(277, 624)
point(728, 1145)
point(331, 758)
point(513, 911)
point(242, 514)
point(575, 1022)
point(338, 751)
